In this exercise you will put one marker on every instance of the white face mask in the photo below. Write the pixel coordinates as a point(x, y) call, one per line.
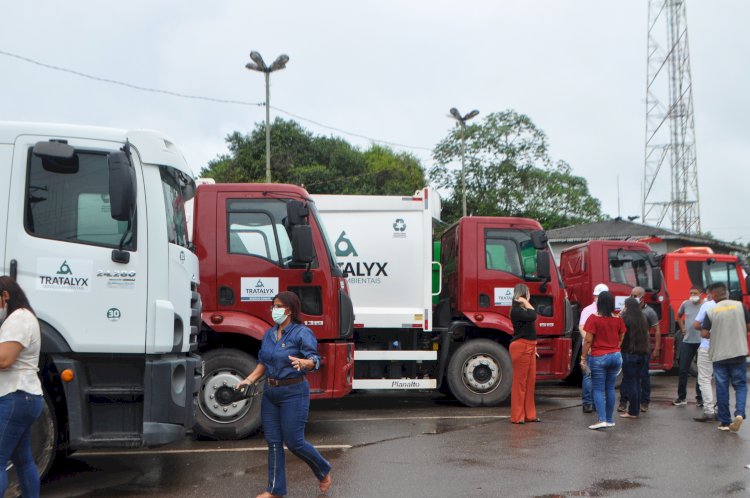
point(695, 299)
point(278, 315)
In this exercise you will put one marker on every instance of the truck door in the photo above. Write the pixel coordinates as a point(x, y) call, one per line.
point(254, 263)
point(60, 243)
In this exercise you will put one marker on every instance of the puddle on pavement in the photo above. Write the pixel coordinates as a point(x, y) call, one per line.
point(599, 488)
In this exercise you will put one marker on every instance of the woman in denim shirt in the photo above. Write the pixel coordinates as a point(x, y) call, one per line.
point(289, 349)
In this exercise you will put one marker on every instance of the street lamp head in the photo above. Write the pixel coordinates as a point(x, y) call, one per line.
point(454, 112)
point(279, 63)
point(253, 67)
point(256, 57)
point(471, 115)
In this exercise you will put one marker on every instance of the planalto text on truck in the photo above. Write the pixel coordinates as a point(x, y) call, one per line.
point(94, 232)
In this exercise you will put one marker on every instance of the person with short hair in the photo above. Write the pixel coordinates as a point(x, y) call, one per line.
point(705, 367)
point(288, 351)
point(727, 325)
point(523, 357)
point(587, 399)
point(691, 341)
point(604, 334)
point(21, 400)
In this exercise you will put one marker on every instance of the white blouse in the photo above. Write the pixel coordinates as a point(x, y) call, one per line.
point(22, 327)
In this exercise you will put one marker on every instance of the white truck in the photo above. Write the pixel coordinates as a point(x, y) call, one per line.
point(94, 231)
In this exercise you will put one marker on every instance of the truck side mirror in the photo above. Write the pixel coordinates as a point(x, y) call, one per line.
point(302, 244)
point(57, 157)
point(121, 186)
point(543, 265)
point(296, 212)
point(747, 282)
point(539, 239)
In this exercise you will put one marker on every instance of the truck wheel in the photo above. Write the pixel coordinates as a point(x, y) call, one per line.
point(43, 446)
point(480, 373)
point(217, 416)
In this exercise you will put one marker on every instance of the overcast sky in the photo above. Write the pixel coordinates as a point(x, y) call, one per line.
point(390, 70)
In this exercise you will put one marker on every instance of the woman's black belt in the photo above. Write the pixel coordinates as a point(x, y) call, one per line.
point(284, 382)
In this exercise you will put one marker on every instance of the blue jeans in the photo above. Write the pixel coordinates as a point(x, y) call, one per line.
point(645, 385)
point(632, 370)
point(688, 351)
point(586, 396)
point(737, 375)
point(18, 410)
point(284, 413)
point(603, 376)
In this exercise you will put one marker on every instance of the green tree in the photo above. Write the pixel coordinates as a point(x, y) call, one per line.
point(323, 165)
point(509, 173)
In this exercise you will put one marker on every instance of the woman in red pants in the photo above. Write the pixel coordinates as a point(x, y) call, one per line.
point(523, 355)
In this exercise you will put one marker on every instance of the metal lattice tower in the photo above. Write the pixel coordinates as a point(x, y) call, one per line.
point(670, 124)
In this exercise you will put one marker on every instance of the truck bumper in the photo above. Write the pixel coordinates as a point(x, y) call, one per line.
point(128, 401)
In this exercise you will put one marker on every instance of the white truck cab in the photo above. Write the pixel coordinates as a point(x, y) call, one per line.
point(94, 231)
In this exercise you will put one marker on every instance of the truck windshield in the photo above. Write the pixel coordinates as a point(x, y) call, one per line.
point(177, 189)
point(707, 272)
point(73, 206)
point(510, 251)
point(632, 268)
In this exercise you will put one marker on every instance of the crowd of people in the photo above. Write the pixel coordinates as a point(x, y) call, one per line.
point(618, 339)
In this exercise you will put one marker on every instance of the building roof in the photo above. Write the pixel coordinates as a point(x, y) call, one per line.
point(619, 229)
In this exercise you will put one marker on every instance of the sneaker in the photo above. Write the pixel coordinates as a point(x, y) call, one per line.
point(610, 424)
point(622, 407)
point(602, 425)
point(723, 427)
point(704, 417)
point(587, 408)
point(679, 402)
point(644, 407)
point(736, 423)
point(699, 403)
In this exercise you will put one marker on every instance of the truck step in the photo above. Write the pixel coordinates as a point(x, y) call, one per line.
point(114, 440)
point(394, 355)
point(396, 384)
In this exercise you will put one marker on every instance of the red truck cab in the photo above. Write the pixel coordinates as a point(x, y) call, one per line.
point(253, 241)
point(621, 265)
point(483, 258)
point(699, 266)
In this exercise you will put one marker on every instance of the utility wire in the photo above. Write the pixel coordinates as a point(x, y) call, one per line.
point(199, 97)
point(129, 85)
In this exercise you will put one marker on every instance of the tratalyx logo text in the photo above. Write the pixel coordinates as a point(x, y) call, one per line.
point(358, 272)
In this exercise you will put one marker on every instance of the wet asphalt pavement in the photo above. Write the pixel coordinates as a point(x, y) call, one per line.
point(425, 445)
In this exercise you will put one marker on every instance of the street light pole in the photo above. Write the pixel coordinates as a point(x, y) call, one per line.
point(259, 65)
point(462, 123)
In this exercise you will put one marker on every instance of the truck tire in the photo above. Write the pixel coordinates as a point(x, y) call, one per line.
point(217, 417)
point(43, 446)
point(480, 373)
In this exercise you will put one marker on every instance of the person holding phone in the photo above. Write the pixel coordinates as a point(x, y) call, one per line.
point(287, 353)
point(523, 357)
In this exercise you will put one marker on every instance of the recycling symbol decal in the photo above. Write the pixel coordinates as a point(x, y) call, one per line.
point(399, 225)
